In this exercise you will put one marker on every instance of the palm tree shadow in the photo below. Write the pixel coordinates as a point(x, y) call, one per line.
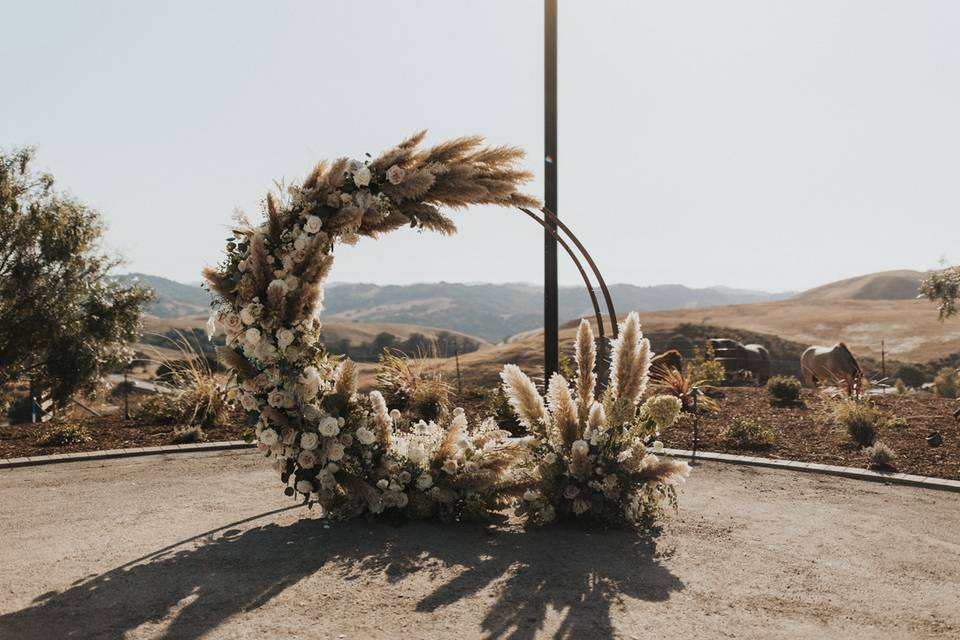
point(192, 590)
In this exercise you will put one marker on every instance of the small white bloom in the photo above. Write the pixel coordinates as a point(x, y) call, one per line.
point(335, 452)
point(305, 486)
point(307, 459)
point(249, 402)
point(580, 446)
point(285, 338)
point(425, 481)
point(309, 441)
point(550, 458)
point(417, 455)
point(269, 437)
point(396, 174)
point(365, 436)
point(252, 336)
point(249, 314)
point(383, 483)
point(313, 224)
point(361, 177)
point(329, 427)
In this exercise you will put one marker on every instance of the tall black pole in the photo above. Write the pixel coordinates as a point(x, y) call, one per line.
point(551, 310)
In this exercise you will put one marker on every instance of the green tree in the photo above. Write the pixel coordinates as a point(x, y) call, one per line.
point(943, 288)
point(63, 320)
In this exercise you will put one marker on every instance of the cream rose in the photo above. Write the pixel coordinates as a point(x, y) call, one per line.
point(313, 224)
point(249, 402)
point(424, 482)
point(335, 452)
point(285, 338)
point(396, 174)
point(361, 177)
point(307, 459)
point(252, 336)
point(269, 437)
point(329, 427)
point(365, 436)
point(309, 441)
point(305, 486)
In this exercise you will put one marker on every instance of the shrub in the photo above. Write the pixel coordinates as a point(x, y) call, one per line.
point(946, 383)
point(880, 455)
point(860, 419)
point(900, 386)
point(63, 435)
point(188, 435)
point(784, 389)
point(744, 433)
point(706, 368)
point(898, 423)
point(19, 410)
point(196, 400)
point(911, 376)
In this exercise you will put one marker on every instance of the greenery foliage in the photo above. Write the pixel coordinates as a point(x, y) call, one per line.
point(77, 322)
point(744, 433)
point(943, 288)
point(63, 435)
point(784, 389)
point(861, 420)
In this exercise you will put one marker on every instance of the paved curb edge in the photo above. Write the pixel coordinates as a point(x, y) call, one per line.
point(826, 469)
point(788, 465)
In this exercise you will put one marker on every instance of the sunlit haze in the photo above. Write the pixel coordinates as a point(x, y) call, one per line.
point(751, 144)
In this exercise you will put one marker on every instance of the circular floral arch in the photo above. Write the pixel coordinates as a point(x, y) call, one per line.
point(346, 450)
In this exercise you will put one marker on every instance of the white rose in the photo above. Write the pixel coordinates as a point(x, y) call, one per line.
point(275, 399)
point(249, 402)
point(361, 177)
point(292, 282)
point(307, 459)
point(305, 486)
point(313, 224)
point(285, 338)
point(365, 436)
point(383, 483)
point(329, 427)
point(424, 482)
point(309, 441)
point(252, 336)
point(396, 174)
point(248, 314)
point(335, 452)
point(269, 437)
point(233, 323)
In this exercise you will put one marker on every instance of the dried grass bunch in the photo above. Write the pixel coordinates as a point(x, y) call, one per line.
point(591, 458)
point(331, 445)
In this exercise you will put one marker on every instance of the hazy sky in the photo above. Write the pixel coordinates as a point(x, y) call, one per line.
point(762, 144)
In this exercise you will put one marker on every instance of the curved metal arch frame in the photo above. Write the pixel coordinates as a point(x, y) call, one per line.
point(553, 228)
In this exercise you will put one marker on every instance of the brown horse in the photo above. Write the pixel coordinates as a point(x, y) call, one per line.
point(832, 364)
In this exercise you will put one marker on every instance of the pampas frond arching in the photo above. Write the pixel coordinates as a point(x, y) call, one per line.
point(232, 359)
point(346, 384)
point(631, 361)
point(222, 284)
point(525, 399)
point(665, 470)
point(448, 446)
point(258, 264)
point(586, 356)
point(563, 410)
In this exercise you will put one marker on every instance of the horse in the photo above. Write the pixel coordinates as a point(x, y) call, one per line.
point(829, 364)
point(742, 357)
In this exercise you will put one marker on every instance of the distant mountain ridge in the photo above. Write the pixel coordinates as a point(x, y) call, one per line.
point(885, 285)
point(489, 311)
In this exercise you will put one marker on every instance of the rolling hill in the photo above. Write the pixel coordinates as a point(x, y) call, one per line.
point(886, 285)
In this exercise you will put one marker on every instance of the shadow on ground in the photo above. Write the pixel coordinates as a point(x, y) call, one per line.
point(198, 583)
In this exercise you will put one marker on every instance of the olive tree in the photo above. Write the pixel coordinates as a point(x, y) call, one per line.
point(63, 320)
point(943, 288)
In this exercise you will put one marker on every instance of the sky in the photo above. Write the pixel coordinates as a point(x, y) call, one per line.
point(756, 144)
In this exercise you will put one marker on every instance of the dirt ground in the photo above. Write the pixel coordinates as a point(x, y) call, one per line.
point(207, 546)
point(806, 432)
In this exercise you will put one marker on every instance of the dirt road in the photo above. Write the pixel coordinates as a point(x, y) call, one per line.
point(207, 546)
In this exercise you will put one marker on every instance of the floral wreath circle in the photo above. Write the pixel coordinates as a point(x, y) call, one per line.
point(346, 450)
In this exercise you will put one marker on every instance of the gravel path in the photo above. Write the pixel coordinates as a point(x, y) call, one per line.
point(207, 546)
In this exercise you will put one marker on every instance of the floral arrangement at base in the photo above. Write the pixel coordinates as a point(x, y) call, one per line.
point(346, 451)
point(329, 444)
point(591, 459)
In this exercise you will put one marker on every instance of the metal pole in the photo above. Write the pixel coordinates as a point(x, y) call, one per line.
point(551, 307)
